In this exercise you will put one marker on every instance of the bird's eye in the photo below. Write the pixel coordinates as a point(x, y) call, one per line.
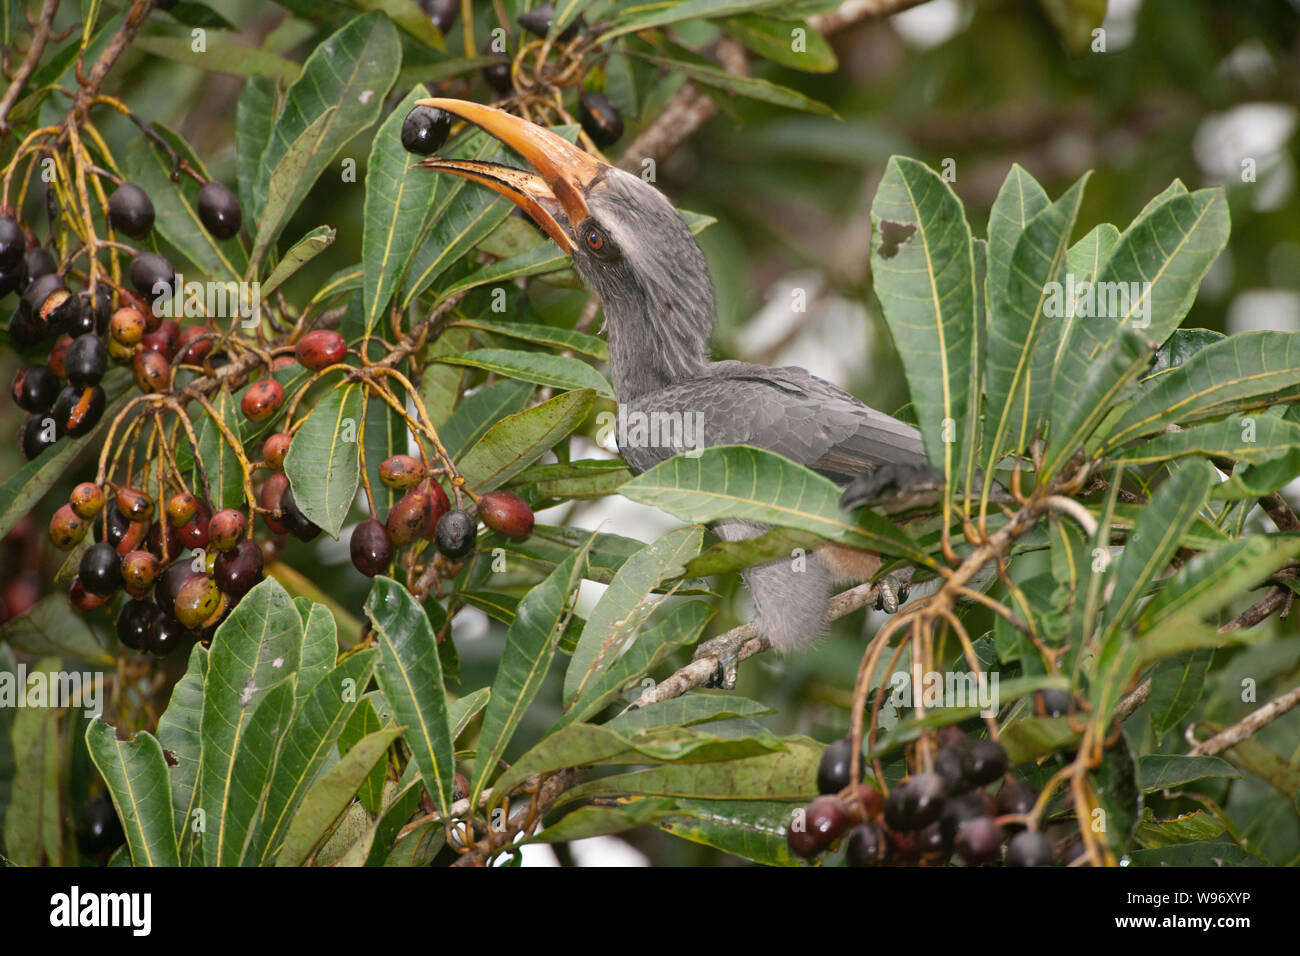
point(595, 239)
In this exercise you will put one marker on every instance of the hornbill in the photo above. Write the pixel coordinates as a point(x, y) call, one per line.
point(631, 247)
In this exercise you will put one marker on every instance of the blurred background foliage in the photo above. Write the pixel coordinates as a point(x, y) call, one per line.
point(1185, 89)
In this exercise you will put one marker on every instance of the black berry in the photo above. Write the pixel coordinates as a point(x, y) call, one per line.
point(101, 569)
point(1029, 848)
point(35, 388)
point(237, 570)
point(152, 275)
point(984, 762)
point(219, 210)
point(600, 118)
point(455, 534)
point(130, 210)
point(13, 243)
point(135, 623)
point(425, 129)
point(86, 361)
point(833, 771)
point(371, 547)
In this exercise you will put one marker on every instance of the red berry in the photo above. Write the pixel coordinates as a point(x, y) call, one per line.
point(507, 513)
point(225, 529)
point(372, 548)
point(401, 472)
point(274, 450)
point(262, 399)
point(321, 348)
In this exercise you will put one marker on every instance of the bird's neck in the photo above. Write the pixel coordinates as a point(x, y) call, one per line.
point(657, 343)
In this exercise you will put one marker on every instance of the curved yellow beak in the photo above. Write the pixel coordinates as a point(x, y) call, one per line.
point(554, 196)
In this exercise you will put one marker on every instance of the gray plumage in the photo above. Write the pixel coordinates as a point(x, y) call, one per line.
point(659, 312)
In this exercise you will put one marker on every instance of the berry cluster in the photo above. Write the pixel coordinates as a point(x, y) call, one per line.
point(424, 511)
point(425, 130)
point(929, 816)
point(156, 560)
point(82, 331)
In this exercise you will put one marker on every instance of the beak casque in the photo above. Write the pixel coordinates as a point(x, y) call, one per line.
point(554, 196)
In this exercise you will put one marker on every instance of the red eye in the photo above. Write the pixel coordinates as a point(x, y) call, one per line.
point(595, 240)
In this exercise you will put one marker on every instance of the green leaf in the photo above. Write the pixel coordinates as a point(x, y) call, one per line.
point(1029, 739)
point(329, 796)
point(398, 198)
point(1020, 199)
point(1176, 686)
point(1155, 537)
point(479, 411)
point(52, 627)
point(33, 834)
point(736, 481)
point(1166, 771)
point(1255, 439)
point(530, 645)
point(555, 371)
point(136, 775)
point(460, 712)
point(1239, 372)
point(255, 114)
point(324, 460)
point(1023, 325)
point(687, 710)
point(924, 266)
point(748, 86)
point(1210, 581)
point(219, 56)
point(408, 15)
point(1187, 828)
point(250, 773)
point(1217, 853)
point(179, 733)
point(618, 615)
point(315, 730)
point(788, 774)
point(225, 475)
point(548, 335)
point(410, 676)
point(680, 627)
point(518, 440)
point(320, 645)
point(302, 252)
point(588, 822)
point(338, 94)
point(750, 829)
point(1083, 262)
point(776, 41)
point(637, 17)
point(1160, 261)
point(1118, 794)
point(588, 478)
point(364, 721)
point(254, 649)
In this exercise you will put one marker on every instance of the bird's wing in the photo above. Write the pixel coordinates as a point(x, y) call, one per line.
point(785, 410)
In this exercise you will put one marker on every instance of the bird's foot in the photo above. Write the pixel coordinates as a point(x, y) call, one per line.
point(892, 593)
point(726, 648)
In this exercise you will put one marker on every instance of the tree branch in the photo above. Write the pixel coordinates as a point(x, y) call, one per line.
point(701, 669)
point(1244, 728)
point(34, 52)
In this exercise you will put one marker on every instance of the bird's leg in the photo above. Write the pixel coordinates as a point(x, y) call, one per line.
point(892, 593)
point(726, 648)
